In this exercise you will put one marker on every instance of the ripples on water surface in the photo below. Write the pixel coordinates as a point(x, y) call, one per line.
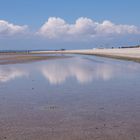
point(77, 98)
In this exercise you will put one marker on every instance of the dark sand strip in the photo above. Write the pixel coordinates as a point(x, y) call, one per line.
point(14, 59)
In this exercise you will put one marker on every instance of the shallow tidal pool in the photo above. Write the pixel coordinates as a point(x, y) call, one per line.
point(74, 98)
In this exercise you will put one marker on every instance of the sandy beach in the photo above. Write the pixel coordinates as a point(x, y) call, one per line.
point(131, 54)
point(69, 70)
point(118, 53)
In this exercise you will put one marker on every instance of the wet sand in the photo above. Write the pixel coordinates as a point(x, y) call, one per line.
point(20, 58)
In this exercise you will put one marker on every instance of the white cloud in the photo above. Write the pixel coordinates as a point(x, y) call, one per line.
point(8, 29)
point(108, 27)
point(83, 28)
point(54, 27)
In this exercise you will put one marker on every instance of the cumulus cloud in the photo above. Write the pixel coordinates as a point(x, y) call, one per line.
point(83, 28)
point(9, 29)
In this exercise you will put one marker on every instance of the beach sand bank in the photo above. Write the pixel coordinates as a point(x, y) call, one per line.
point(132, 54)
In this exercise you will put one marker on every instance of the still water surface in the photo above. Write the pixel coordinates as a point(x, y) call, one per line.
point(76, 98)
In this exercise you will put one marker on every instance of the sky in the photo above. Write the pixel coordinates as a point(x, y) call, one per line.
point(70, 24)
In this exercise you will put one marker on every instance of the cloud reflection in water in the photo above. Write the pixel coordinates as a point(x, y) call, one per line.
point(10, 73)
point(58, 71)
point(82, 70)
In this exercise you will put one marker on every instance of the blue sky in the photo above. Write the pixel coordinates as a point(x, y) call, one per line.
point(34, 13)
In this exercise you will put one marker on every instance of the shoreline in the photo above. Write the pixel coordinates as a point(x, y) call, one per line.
point(129, 54)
